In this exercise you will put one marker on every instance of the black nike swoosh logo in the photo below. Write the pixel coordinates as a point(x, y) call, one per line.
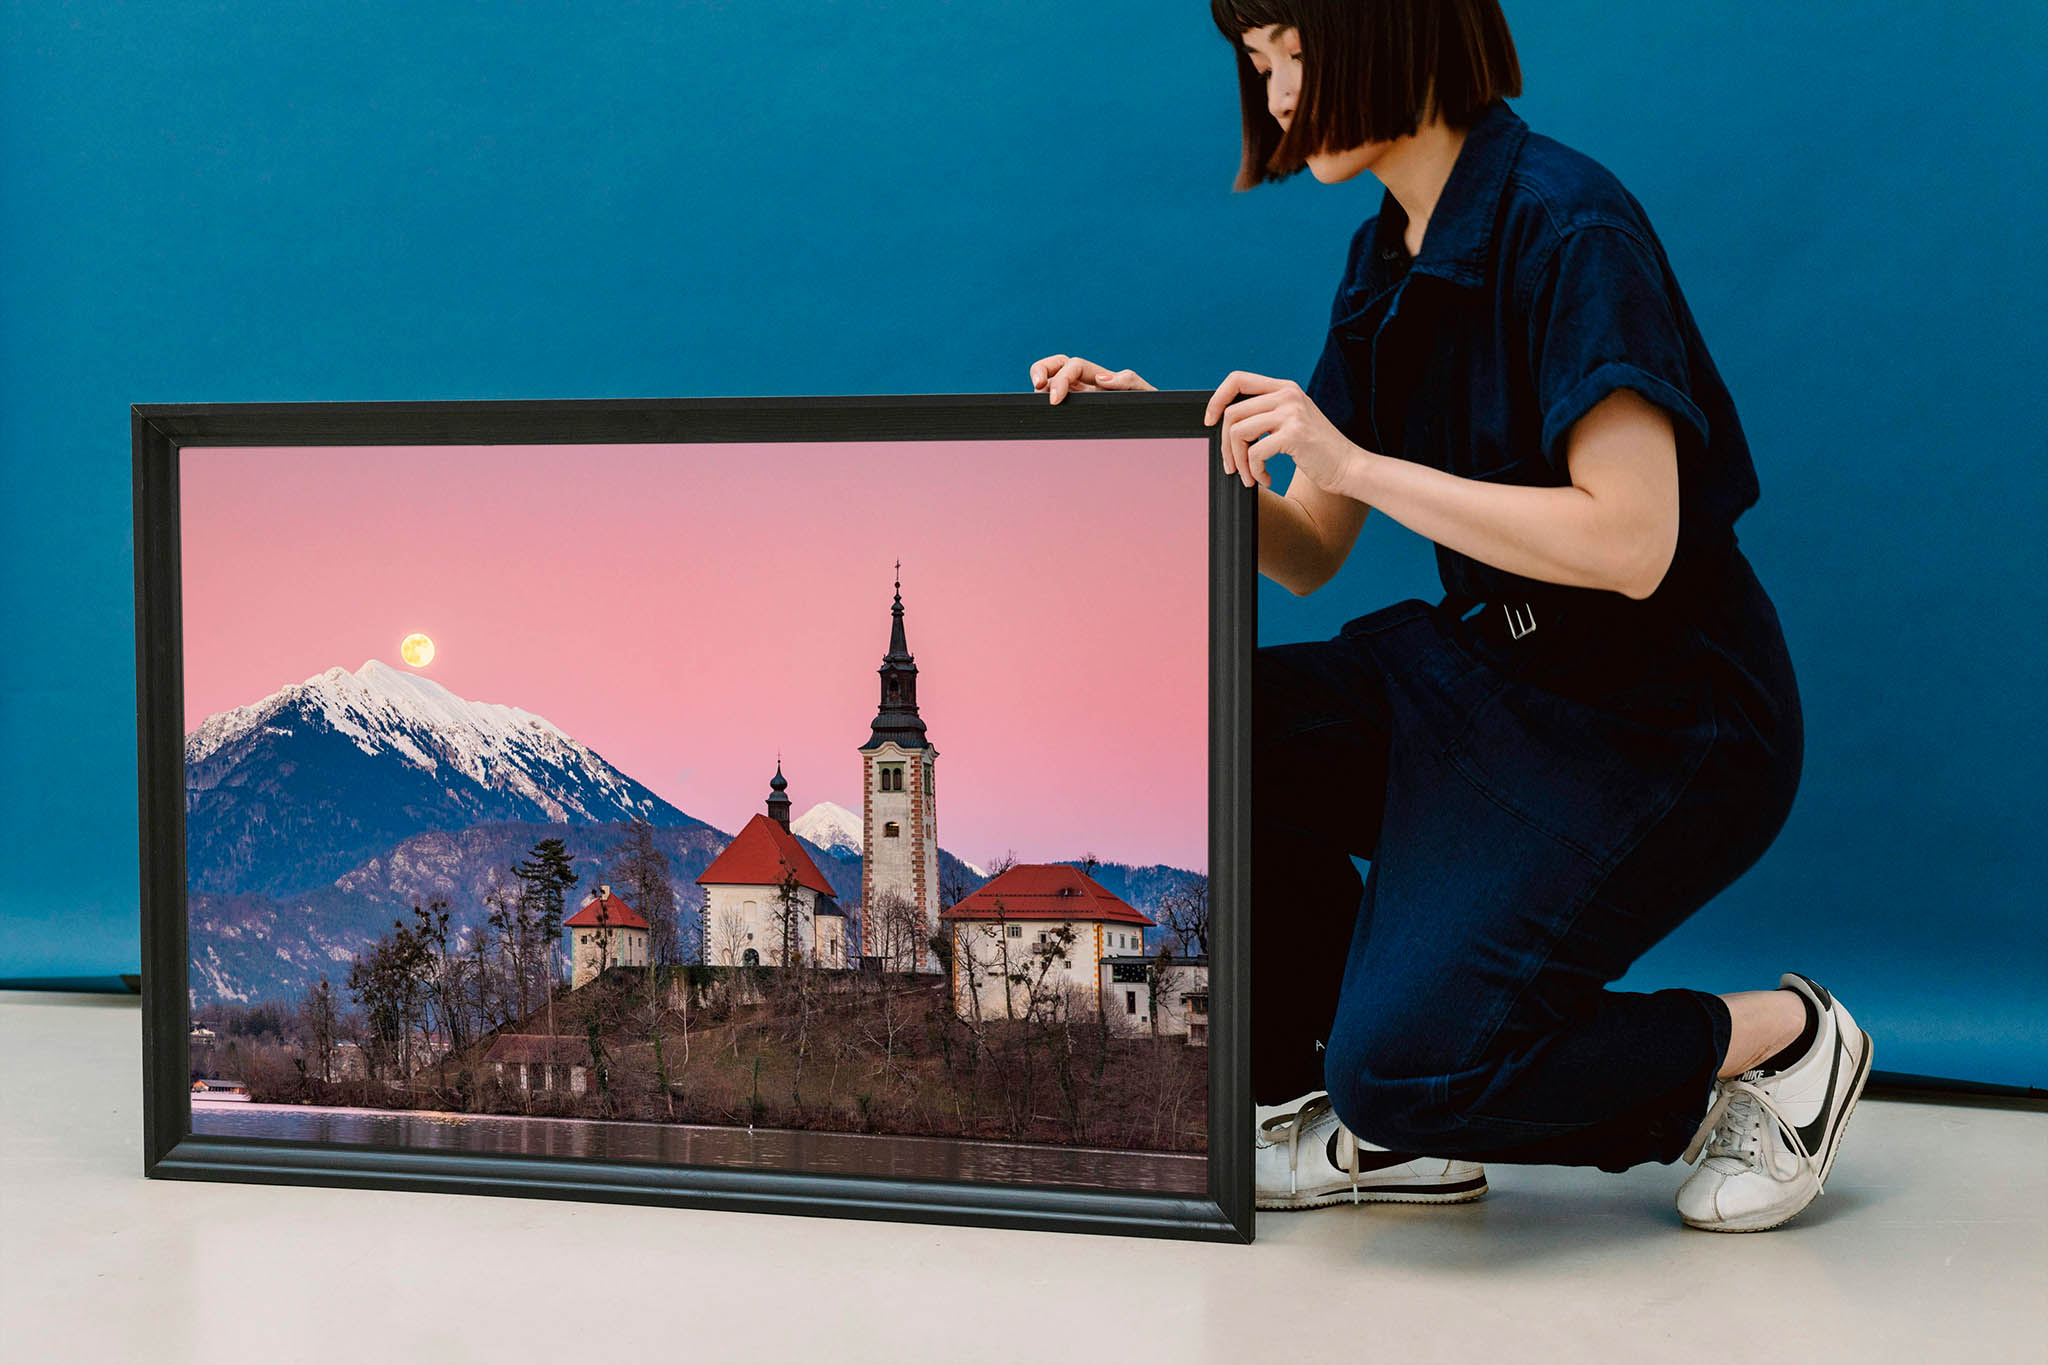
point(1811, 1134)
point(1368, 1161)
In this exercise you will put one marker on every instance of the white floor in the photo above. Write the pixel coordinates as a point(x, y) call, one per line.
point(1931, 1244)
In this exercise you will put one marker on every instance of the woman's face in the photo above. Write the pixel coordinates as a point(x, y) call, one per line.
point(1276, 55)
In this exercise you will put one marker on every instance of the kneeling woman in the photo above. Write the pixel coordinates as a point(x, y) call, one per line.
point(1594, 733)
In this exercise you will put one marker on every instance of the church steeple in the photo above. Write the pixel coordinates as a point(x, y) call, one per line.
point(778, 796)
point(897, 648)
point(896, 717)
point(899, 841)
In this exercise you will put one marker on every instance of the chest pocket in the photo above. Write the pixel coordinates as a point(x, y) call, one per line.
point(1433, 399)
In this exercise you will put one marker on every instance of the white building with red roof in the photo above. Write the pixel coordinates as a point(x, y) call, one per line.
point(743, 896)
point(1015, 923)
point(607, 932)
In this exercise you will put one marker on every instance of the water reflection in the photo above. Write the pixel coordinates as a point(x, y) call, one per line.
point(782, 1149)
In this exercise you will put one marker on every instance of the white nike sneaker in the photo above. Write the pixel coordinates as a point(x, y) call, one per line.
point(1270, 1120)
point(1770, 1137)
point(1307, 1159)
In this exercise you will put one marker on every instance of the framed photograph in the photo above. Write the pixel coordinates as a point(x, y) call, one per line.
point(829, 805)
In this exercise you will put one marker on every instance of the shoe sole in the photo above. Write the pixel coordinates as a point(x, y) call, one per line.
point(1456, 1192)
point(1827, 1162)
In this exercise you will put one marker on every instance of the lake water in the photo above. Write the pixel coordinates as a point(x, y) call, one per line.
point(782, 1149)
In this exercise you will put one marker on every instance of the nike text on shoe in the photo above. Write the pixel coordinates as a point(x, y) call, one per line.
point(1309, 1159)
point(1770, 1137)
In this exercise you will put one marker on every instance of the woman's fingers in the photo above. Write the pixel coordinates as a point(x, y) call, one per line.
point(1246, 421)
point(1059, 375)
point(1067, 376)
point(1250, 423)
point(1042, 371)
point(1238, 383)
point(1224, 407)
point(1256, 453)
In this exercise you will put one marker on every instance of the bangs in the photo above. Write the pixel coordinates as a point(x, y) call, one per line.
point(1372, 71)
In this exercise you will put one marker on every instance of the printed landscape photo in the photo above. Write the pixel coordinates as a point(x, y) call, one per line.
point(816, 806)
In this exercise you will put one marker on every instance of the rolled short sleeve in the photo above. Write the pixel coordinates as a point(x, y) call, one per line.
point(1601, 319)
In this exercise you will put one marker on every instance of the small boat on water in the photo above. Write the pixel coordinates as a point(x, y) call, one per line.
point(220, 1090)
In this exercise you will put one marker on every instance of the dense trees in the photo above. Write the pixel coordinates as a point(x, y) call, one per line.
point(1184, 913)
point(640, 871)
point(797, 1045)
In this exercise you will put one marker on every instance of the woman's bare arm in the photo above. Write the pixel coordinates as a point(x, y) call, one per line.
point(1305, 536)
point(1615, 526)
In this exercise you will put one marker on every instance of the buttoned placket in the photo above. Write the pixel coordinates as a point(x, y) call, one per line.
point(1360, 328)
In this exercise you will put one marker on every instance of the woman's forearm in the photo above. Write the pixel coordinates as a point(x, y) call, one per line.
point(1291, 550)
point(1558, 535)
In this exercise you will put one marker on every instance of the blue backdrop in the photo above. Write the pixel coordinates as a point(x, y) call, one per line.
point(223, 202)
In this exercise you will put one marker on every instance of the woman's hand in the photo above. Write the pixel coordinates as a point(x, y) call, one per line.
point(1060, 375)
point(1274, 417)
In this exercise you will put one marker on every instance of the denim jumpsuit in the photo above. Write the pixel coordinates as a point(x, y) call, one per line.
point(1546, 779)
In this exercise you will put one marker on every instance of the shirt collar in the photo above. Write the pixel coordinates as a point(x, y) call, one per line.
point(1457, 242)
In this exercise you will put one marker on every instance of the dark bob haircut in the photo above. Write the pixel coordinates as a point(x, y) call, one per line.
point(1372, 71)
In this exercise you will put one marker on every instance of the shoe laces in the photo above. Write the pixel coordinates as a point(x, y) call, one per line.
point(1734, 1126)
point(1292, 1127)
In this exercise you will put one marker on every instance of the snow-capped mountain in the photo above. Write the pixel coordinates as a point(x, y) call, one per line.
point(829, 825)
point(320, 814)
point(298, 788)
point(379, 707)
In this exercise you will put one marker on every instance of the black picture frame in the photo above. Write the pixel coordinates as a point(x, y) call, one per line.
point(171, 1150)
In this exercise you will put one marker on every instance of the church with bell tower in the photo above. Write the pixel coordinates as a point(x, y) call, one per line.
point(899, 818)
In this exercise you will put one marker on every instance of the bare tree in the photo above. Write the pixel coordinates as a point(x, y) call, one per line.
point(1184, 913)
point(601, 934)
point(318, 1018)
point(730, 938)
point(975, 964)
point(654, 1010)
point(1038, 975)
point(1158, 980)
point(445, 972)
point(643, 869)
point(729, 948)
point(790, 919)
point(510, 913)
point(481, 954)
point(886, 1011)
point(795, 986)
point(390, 983)
point(896, 927)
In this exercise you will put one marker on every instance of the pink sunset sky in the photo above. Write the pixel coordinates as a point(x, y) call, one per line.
point(690, 611)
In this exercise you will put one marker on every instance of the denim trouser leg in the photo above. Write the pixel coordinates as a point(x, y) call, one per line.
point(1471, 1015)
point(1318, 779)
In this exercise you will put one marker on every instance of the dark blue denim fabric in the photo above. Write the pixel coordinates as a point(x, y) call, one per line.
point(1540, 289)
point(1536, 819)
point(1541, 806)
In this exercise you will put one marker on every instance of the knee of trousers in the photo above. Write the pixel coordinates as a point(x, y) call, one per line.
point(1388, 1088)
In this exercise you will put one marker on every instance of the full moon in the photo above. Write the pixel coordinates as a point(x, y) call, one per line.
point(417, 650)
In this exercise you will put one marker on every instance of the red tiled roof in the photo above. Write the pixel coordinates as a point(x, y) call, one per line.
point(617, 915)
point(1045, 891)
point(756, 855)
point(535, 1047)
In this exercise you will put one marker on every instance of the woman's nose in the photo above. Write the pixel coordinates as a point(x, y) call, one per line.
point(1281, 102)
